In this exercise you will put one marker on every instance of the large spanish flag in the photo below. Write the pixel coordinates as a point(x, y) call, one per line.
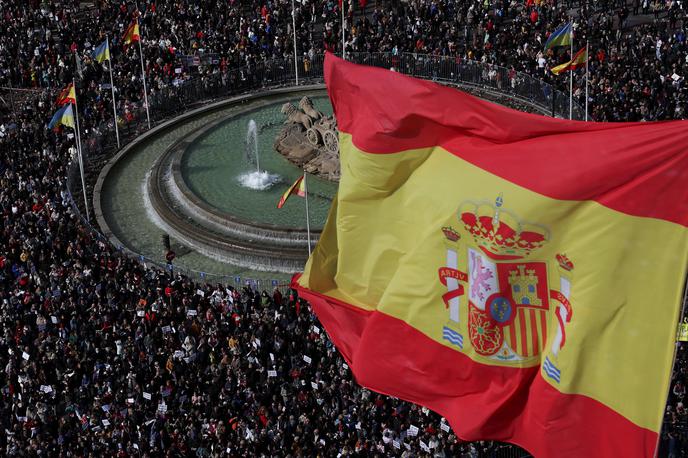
point(518, 274)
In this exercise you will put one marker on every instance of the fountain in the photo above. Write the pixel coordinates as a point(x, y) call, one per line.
point(258, 180)
point(232, 226)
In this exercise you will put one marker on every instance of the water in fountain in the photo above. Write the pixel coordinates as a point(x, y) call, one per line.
point(257, 179)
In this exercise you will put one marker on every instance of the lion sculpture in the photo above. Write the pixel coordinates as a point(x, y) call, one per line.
point(306, 104)
point(296, 116)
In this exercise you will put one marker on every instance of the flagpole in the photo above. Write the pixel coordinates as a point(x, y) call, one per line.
point(79, 152)
point(587, 58)
point(293, 22)
point(571, 78)
point(308, 222)
point(143, 76)
point(112, 87)
point(343, 41)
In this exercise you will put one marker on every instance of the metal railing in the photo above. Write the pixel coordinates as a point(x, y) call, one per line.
point(99, 142)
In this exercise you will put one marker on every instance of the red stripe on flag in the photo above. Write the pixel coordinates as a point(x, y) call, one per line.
point(627, 165)
point(481, 402)
point(524, 333)
point(534, 331)
point(543, 323)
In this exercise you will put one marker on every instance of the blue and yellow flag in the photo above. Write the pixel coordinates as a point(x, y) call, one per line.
point(560, 37)
point(63, 117)
point(102, 52)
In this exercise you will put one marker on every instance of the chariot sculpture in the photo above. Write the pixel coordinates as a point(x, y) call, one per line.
point(310, 139)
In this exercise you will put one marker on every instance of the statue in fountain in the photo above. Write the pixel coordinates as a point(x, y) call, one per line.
point(310, 139)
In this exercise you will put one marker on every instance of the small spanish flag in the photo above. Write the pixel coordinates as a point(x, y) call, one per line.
point(299, 187)
point(67, 95)
point(63, 117)
point(132, 33)
point(578, 61)
point(102, 52)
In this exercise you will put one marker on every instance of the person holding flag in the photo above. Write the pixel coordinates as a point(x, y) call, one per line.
point(101, 54)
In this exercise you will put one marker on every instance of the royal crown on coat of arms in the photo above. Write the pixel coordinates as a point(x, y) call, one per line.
point(498, 233)
point(497, 293)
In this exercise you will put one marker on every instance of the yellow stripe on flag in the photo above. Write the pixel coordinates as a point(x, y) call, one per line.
point(616, 286)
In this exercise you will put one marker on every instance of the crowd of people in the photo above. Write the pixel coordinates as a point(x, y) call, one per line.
point(103, 354)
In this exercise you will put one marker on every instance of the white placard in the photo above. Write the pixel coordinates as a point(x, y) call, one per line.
point(396, 444)
point(322, 441)
point(307, 359)
point(272, 373)
point(147, 396)
point(46, 388)
point(316, 329)
point(413, 430)
point(178, 354)
point(166, 329)
point(192, 313)
point(162, 407)
point(25, 355)
point(106, 408)
point(314, 385)
point(140, 313)
point(345, 366)
point(272, 357)
point(130, 400)
point(424, 446)
point(106, 422)
point(444, 427)
point(200, 293)
point(53, 319)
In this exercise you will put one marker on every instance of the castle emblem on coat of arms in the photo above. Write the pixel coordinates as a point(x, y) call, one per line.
point(503, 302)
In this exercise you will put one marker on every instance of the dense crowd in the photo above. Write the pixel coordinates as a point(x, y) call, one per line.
point(102, 354)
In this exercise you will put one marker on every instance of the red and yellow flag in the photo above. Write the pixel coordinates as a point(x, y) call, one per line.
point(67, 95)
point(132, 33)
point(299, 187)
point(518, 274)
point(579, 59)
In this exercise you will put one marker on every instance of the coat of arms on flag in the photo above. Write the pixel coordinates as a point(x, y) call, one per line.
point(499, 293)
